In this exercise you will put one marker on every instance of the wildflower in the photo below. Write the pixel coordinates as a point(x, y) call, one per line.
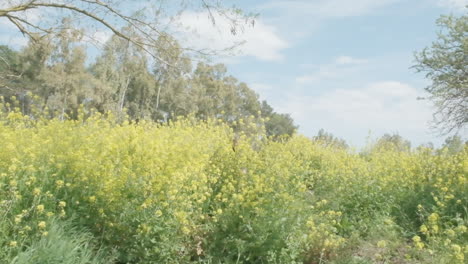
point(381, 244)
point(13, 183)
point(59, 183)
point(62, 204)
point(461, 229)
point(423, 229)
point(40, 208)
point(450, 233)
point(416, 239)
point(92, 199)
point(185, 230)
point(18, 219)
point(158, 213)
point(13, 244)
point(41, 225)
point(460, 257)
point(433, 217)
point(36, 191)
point(456, 248)
point(419, 245)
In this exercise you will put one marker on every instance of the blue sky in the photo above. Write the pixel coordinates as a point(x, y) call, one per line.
point(340, 65)
point(343, 65)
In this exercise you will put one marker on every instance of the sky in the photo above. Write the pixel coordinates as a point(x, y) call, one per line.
point(338, 65)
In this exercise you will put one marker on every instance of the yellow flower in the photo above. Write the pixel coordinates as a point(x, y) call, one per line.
point(13, 244)
point(42, 225)
point(416, 239)
point(36, 191)
point(13, 183)
point(461, 229)
point(460, 257)
point(185, 230)
point(450, 233)
point(419, 245)
point(59, 183)
point(433, 217)
point(158, 213)
point(62, 204)
point(18, 219)
point(423, 229)
point(456, 248)
point(92, 199)
point(381, 244)
point(40, 208)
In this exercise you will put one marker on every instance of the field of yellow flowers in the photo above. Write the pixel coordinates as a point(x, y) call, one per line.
point(95, 190)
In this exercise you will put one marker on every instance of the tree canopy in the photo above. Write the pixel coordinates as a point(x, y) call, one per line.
point(445, 63)
point(141, 71)
point(52, 74)
point(149, 22)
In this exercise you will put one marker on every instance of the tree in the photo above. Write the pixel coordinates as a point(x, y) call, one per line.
point(445, 63)
point(453, 144)
point(393, 142)
point(9, 67)
point(65, 82)
point(122, 68)
point(149, 22)
point(277, 124)
point(329, 140)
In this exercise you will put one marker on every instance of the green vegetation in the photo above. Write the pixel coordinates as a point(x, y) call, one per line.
point(182, 192)
point(143, 156)
point(444, 63)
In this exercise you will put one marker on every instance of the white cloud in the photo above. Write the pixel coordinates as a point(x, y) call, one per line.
point(260, 87)
point(382, 107)
point(260, 41)
point(454, 4)
point(98, 38)
point(344, 60)
point(337, 68)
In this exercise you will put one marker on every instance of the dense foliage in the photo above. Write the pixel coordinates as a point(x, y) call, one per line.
point(51, 74)
point(99, 190)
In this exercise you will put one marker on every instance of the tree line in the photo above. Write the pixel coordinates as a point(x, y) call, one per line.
point(55, 70)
